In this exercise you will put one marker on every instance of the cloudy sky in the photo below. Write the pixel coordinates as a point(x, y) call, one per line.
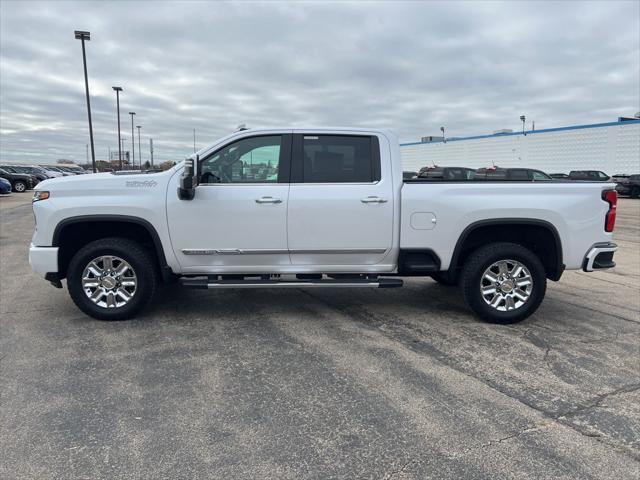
point(473, 67)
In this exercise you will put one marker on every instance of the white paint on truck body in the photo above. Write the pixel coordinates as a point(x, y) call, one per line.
point(316, 228)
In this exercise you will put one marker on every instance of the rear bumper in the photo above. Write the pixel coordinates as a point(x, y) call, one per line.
point(599, 257)
point(43, 260)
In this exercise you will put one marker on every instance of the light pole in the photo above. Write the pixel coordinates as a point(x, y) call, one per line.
point(133, 142)
point(151, 150)
point(122, 140)
point(118, 90)
point(82, 36)
point(523, 119)
point(444, 140)
point(139, 149)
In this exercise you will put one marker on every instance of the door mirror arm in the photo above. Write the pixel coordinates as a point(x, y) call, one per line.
point(188, 181)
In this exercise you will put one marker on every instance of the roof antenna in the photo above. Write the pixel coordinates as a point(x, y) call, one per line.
point(242, 127)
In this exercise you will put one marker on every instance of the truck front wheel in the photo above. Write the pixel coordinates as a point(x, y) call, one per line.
point(503, 282)
point(112, 278)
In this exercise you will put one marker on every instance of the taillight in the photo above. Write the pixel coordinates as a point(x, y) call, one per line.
point(611, 197)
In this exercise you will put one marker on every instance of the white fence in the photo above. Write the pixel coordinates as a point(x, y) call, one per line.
point(610, 147)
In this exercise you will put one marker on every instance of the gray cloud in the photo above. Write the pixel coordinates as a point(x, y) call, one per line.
point(412, 67)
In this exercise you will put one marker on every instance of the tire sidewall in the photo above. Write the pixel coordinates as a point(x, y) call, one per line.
point(22, 189)
point(130, 252)
point(504, 251)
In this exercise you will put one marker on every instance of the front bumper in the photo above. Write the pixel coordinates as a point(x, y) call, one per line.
point(43, 260)
point(599, 257)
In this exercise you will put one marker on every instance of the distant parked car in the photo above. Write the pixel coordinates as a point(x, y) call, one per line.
point(590, 175)
point(61, 173)
point(628, 185)
point(523, 174)
point(20, 182)
point(447, 173)
point(409, 175)
point(559, 176)
point(39, 175)
point(51, 173)
point(73, 169)
point(5, 186)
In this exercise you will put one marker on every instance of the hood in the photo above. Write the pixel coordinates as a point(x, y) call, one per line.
point(105, 183)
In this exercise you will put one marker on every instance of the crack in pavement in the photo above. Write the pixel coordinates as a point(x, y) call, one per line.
point(491, 443)
point(597, 401)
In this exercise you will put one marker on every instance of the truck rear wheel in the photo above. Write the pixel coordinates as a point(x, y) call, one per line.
point(112, 278)
point(503, 282)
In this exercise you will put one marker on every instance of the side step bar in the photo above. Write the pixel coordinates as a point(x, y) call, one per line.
point(204, 283)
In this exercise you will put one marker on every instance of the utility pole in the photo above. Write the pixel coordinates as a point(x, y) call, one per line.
point(118, 90)
point(82, 36)
point(133, 142)
point(139, 149)
point(151, 150)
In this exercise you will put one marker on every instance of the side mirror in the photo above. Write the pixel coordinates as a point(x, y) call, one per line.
point(187, 186)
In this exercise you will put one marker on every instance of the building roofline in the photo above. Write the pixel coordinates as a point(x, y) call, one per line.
point(529, 132)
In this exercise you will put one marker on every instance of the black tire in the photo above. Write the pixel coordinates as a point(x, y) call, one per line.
point(141, 261)
point(19, 186)
point(635, 192)
point(483, 258)
point(445, 278)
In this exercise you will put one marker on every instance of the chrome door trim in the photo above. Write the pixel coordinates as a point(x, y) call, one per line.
point(338, 251)
point(268, 251)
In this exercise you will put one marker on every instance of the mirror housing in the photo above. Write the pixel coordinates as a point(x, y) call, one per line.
point(187, 186)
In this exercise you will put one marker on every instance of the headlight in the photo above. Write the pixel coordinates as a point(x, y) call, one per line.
point(40, 195)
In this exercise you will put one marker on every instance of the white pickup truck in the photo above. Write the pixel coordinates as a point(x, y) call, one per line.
point(314, 207)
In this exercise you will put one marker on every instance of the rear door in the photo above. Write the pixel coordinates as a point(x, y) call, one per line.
point(340, 200)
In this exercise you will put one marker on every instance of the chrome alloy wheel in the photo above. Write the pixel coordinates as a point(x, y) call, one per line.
point(506, 285)
point(109, 281)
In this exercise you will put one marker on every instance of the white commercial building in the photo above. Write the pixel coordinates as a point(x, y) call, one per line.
point(611, 147)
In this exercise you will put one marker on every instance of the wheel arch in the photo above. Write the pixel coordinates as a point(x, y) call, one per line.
point(93, 227)
point(526, 231)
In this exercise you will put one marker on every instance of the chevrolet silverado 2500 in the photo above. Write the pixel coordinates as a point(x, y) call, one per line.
point(309, 208)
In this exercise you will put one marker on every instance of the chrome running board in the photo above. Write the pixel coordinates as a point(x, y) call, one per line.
point(205, 283)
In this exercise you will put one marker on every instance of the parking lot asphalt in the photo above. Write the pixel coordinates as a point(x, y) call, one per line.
point(398, 383)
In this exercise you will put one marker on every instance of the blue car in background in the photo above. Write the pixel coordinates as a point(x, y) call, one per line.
point(5, 186)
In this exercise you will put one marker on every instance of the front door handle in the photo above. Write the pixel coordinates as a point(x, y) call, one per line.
point(268, 200)
point(372, 199)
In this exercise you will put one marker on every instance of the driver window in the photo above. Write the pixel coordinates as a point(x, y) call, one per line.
point(250, 160)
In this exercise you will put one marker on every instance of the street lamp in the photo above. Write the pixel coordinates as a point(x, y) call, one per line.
point(82, 36)
point(139, 149)
point(133, 142)
point(522, 119)
point(444, 140)
point(118, 90)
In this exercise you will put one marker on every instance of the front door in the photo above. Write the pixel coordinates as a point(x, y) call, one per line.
point(340, 204)
point(237, 221)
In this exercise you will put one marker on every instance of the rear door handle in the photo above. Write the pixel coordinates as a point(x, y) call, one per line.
point(268, 200)
point(372, 199)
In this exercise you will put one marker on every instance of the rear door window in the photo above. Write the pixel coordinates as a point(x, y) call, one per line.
point(518, 174)
point(339, 159)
